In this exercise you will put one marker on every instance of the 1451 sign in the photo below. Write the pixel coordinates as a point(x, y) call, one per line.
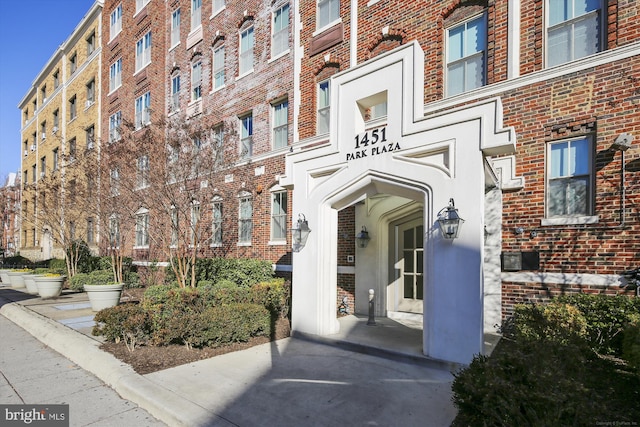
point(372, 143)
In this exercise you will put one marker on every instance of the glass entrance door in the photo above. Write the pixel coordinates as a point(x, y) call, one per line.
point(409, 257)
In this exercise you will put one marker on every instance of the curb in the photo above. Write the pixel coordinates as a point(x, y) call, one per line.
point(85, 352)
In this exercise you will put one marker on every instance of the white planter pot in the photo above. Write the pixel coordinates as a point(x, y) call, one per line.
point(104, 296)
point(30, 283)
point(4, 277)
point(49, 286)
point(16, 279)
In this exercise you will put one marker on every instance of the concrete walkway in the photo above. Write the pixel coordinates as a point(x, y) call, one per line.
point(292, 382)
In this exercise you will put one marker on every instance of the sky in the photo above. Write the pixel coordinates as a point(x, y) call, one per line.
point(30, 31)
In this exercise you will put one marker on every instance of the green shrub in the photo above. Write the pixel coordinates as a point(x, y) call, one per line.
point(606, 317)
point(77, 282)
point(631, 343)
point(58, 265)
point(273, 295)
point(243, 272)
point(554, 322)
point(127, 322)
point(17, 261)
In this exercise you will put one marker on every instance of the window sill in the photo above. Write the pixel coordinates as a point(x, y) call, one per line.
point(218, 12)
point(245, 74)
point(575, 220)
point(141, 247)
point(215, 245)
point(174, 46)
point(277, 243)
point(244, 244)
point(114, 90)
point(326, 27)
point(217, 89)
point(280, 55)
point(141, 69)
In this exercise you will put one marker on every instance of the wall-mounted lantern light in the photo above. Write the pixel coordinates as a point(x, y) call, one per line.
point(300, 234)
point(449, 221)
point(363, 237)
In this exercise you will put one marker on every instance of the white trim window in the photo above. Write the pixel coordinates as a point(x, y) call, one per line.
point(218, 138)
point(218, 67)
point(280, 31)
point(73, 63)
point(140, 4)
point(246, 51)
point(324, 107)
point(216, 221)
point(116, 22)
point(175, 27)
point(175, 93)
point(279, 216)
point(574, 30)
point(142, 172)
point(115, 122)
point(142, 228)
point(143, 110)
point(194, 238)
point(466, 55)
point(91, 92)
point(245, 215)
point(217, 6)
point(91, 43)
point(114, 232)
point(328, 12)
point(73, 112)
point(143, 52)
point(174, 227)
point(246, 136)
point(569, 178)
point(114, 181)
point(196, 80)
point(280, 123)
point(115, 75)
point(196, 14)
point(89, 133)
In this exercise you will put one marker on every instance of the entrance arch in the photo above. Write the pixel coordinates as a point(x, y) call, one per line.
point(424, 162)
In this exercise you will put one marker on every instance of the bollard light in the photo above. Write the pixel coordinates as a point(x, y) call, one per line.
point(300, 234)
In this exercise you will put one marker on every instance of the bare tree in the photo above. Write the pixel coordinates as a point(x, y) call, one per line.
point(165, 188)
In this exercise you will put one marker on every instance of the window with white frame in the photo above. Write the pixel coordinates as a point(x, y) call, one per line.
point(175, 93)
point(116, 22)
point(56, 159)
point(218, 5)
point(56, 79)
point(143, 110)
point(72, 108)
point(143, 51)
point(280, 117)
point(246, 136)
point(172, 162)
point(43, 166)
point(142, 228)
point(245, 215)
point(280, 31)
point(43, 92)
point(73, 63)
point(324, 105)
point(569, 178)
point(114, 232)
point(196, 80)
point(196, 14)
point(72, 148)
point(91, 43)
point(466, 51)
point(328, 11)
point(91, 92)
point(195, 224)
point(175, 27)
point(218, 67)
point(174, 227)
point(140, 4)
point(142, 172)
point(114, 181)
point(90, 235)
point(115, 121)
point(89, 133)
point(246, 51)
point(115, 75)
point(56, 120)
point(574, 30)
point(43, 130)
point(218, 149)
point(216, 221)
point(279, 215)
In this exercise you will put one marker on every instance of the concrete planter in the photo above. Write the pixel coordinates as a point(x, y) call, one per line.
point(49, 286)
point(4, 277)
point(104, 296)
point(30, 283)
point(16, 278)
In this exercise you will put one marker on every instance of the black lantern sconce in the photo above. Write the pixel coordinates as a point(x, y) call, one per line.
point(449, 221)
point(363, 237)
point(300, 234)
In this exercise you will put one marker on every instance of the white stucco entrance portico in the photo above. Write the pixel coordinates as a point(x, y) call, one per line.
point(400, 171)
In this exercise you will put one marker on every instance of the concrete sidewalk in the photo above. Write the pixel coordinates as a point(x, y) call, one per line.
point(291, 382)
